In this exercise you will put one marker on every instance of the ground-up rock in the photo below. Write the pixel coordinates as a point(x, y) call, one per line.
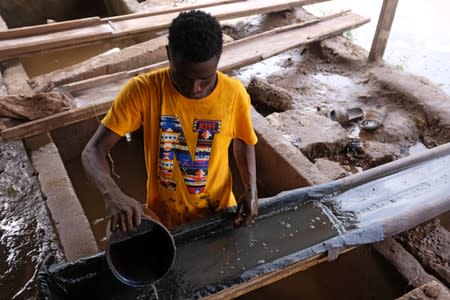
point(315, 135)
point(268, 95)
point(331, 169)
point(379, 153)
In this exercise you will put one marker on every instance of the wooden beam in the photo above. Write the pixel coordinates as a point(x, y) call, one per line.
point(170, 10)
point(383, 29)
point(429, 243)
point(404, 262)
point(109, 28)
point(236, 54)
point(46, 28)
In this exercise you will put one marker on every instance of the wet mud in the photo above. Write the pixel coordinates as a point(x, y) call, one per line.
point(26, 231)
point(230, 253)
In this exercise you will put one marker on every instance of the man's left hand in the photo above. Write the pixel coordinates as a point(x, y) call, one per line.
point(247, 209)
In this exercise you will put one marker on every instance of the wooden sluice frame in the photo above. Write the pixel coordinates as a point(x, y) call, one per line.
point(23, 41)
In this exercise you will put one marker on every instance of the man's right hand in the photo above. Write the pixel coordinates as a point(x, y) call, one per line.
point(125, 212)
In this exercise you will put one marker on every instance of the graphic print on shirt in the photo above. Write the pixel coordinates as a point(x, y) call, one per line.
point(173, 145)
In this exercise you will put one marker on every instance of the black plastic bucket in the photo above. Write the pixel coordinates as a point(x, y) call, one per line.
point(142, 257)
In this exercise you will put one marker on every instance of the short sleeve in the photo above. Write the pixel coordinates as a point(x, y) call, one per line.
point(243, 121)
point(125, 114)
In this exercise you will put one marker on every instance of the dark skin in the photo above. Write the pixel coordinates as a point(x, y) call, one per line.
point(193, 80)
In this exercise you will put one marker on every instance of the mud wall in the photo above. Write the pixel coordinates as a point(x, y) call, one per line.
point(20, 13)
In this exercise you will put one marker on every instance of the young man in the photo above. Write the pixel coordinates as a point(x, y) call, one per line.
point(189, 113)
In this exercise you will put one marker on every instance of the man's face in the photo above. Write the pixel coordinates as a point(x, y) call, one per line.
point(193, 80)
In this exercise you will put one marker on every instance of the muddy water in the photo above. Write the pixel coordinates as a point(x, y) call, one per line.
point(234, 251)
point(26, 232)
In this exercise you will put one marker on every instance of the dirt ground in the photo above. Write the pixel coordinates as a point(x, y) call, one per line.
point(318, 79)
point(335, 75)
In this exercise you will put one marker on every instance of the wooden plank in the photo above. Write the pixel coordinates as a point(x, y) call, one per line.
point(96, 81)
point(19, 46)
point(383, 29)
point(48, 28)
point(269, 278)
point(272, 44)
point(221, 12)
point(235, 54)
point(170, 10)
point(11, 47)
point(225, 65)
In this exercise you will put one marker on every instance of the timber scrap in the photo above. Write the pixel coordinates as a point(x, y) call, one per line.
point(32, 39)
point(95, 95)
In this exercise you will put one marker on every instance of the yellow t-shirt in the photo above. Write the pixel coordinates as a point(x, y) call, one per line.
point(186, 142)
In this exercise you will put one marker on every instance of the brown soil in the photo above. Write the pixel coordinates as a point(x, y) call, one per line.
point(335, 74)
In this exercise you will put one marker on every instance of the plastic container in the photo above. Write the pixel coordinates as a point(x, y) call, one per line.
point(142, 257)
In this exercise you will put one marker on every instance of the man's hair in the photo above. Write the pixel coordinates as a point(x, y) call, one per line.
point(196, 36)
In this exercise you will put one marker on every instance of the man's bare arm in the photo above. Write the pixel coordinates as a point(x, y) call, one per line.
point(124, 211)
point(248, 202)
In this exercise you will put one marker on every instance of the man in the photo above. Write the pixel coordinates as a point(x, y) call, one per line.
point(189, 113)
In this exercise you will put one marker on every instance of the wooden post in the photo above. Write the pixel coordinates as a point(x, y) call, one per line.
point(383, 29)
point(404, 262)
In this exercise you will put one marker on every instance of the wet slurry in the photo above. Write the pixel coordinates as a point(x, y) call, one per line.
point(26, 232)
point(237, 250)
